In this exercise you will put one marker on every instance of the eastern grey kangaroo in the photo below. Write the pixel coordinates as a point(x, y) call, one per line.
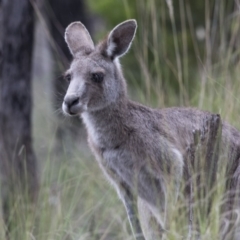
point(139, 149)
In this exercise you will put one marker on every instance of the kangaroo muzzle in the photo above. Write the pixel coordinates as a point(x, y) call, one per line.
point(72, 105)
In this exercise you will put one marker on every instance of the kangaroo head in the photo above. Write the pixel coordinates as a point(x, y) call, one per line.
point(95, 78)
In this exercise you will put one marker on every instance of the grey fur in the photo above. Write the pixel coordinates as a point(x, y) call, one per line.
point(139, 149)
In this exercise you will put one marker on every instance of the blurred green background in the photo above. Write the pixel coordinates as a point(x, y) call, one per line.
point(185, 53)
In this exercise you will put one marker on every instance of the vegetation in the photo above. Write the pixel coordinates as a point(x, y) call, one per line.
point(171, 64)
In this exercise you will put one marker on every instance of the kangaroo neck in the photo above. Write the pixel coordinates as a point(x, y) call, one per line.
point(106, 125)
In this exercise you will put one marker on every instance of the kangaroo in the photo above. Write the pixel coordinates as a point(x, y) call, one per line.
point(139, 149)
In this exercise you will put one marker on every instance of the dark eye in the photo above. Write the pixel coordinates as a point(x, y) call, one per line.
point(68, 77)
point(97, 77)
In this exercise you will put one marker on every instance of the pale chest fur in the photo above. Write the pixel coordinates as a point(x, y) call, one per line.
point(103, 149)
point(133, 165)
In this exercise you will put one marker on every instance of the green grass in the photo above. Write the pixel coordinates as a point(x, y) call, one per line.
point(76, 202)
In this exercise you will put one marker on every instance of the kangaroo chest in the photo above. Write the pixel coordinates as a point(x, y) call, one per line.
point(119, 160)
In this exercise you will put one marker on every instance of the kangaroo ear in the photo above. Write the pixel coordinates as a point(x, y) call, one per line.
point(120, 38)
point(78, 38)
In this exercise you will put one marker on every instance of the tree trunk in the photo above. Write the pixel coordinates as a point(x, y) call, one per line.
point(17, 159)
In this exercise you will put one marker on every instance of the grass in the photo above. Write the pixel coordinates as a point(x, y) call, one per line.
point(75, 201)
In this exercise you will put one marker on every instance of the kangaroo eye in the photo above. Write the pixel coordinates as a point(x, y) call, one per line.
point(97, 77)
point(68, 77)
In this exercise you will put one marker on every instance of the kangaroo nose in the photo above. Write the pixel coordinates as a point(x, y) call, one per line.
point(70, 102)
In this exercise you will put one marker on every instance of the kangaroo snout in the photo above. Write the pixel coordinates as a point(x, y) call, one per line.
point(72, 105)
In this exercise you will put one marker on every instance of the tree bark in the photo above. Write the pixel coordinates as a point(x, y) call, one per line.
point(201, 169)
point(17, 160)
